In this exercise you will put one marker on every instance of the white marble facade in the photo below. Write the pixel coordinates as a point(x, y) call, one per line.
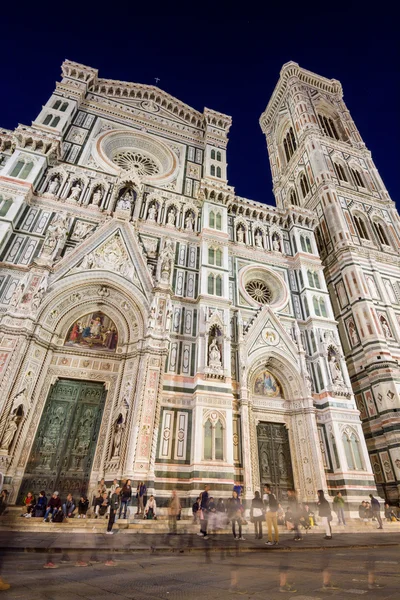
point(128, 261)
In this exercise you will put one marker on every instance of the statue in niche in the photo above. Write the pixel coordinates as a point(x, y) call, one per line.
point(117, 438)
point(214, 354)
point(276, 243)
point(56, 237)
point(385, 326)
point(167, 260)
point(171, 217)
point(240, 235)
point(82, 229)
point(353, 333)
point(189, 222)
point(334, 368)
point(125, 202)
point(19, 290)
point(97, 197)
point(10, 430)
point(54, 185)
point(39, 294)
point(75, 191)
point(152, 316)
point(168, 318)
point(258, 239)
point(152, 215)
point(127, 394)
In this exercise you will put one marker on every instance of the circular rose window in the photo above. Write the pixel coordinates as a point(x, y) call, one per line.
point(144, 165)
point(260, 285)
point(259, 291)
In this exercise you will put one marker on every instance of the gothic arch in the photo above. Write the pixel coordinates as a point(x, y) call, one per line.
point(285, 369)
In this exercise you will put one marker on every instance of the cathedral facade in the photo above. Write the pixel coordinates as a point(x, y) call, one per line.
point(158, 327)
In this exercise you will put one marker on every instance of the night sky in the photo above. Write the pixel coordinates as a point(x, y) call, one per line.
point(229, 65)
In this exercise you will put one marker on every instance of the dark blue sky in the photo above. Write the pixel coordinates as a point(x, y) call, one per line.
point(229, 65)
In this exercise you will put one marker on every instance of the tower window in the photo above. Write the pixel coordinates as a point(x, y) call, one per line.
point(212, 154)
point(212, 171)
point(293, 198)
point(55, 121)
point(213, 440)
point(357, 178)
point(219, 158)
point(57, 104)
point(289, 144)
point(219, 221)
point(340, 172)
point(304, 185)
point(328, 126)
point(211, 219)
point(380, 232)
point(305, 244)
point(210, 287)
point(361, 227)
point(47, 119)
point(64, 107)
point(219, 172)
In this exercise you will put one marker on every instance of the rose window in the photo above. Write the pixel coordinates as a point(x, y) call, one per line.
point(144, 165)
point(259, 291)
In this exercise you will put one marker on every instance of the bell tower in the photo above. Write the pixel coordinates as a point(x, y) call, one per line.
point(320, 162)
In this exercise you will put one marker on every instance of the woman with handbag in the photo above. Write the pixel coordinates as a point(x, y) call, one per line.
point(235, 514)
point(257, 515)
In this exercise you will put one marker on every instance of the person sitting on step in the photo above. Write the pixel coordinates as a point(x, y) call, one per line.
point(53, 505)
point(83, 506)
point(29, 503)
point(102, 505)
point(69, 507)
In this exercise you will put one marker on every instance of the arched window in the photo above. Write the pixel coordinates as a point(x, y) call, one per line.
point(212, 170)
point(5, 206)
point(212, 154)
point(17, 168)
point(208, 440)
point(303, 244)
point(213, 440)
point(219, 441)
point(316, 306)
point(355, 446)
point(64, 107)
point(340, 172)
point(219, 221)
point(349, 454)
point(219, 172)
point(361, 227)
point(358, 180)
point(322, 307)
point(57, 104)
point(352, 450)
point(293, 198)
point(316, 281)
point(304, 185)
point(313, 344)
point(26, 170)
point(335, 451)
point(211, 256)
point(47, 119)
point(211, 284)
point(381, 233)
point(289, 144)
point(308, 245)
point(310, 276)
point(328, 126)
point(211, 219)
point(306, 309)
point(320, 378)
point(55, 121)
point(219, 156)
point(218, 257)
point(218, 285)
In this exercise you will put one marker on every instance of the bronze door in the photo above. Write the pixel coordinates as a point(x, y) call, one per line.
point(62, 453)
point(274, 458)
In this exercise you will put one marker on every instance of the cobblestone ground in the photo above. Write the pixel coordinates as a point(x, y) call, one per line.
point(206, 576)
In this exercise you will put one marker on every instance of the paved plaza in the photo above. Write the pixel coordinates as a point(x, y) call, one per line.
point(147, 567)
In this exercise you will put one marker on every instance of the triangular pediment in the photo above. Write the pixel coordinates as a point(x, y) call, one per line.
point(268, 331)
point(114, 248)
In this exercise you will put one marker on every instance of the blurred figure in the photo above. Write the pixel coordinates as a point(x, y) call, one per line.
point(222, 520)
point(174, 509)
point(376, 510)
point(272, 518)
point(294, 509)
point(284, 586)
point(141, 491)
point(115, 501)
point(390, 515)
point(150, 509)
point(235, 515)
point(362, 511)
point(280, 515)
point(325, 514)
point(204, 499)
point(338, 503)
point(212, 515)
point(257, 515)
point(326, 574)
point(196, 510)
point(126, 495)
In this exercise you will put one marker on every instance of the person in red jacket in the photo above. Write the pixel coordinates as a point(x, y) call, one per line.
point(53, 506)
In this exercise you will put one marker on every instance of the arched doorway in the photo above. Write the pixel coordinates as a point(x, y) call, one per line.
point(274, 457)
point(62, 454)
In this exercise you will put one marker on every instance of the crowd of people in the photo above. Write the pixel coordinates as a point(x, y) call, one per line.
point(212, 514)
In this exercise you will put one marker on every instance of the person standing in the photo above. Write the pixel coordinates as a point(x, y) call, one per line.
point(325, 514)
point(272, 516)
point(204, 499)
point(126, 495)
point(376, 510)
point(338, 503)
point(174, 509)
point(257, 515)
point(294, 511)
point(235, 515)
point(141, 491)
point(114, 506)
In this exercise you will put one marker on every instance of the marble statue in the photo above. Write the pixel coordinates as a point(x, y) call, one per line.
point(54, 185)
point(240, 235)
point(334, 369)
point(56, 236)
point(171, 217)
point(118, 431)
point(276, 245)
point(97, 197)
point(125, 202)
point(386, 329)
point(258, 239)
point(189, 222)
point(10, 431)
point(152, 215)
point(214, 354)
point(167, 260)
point(75, 191)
